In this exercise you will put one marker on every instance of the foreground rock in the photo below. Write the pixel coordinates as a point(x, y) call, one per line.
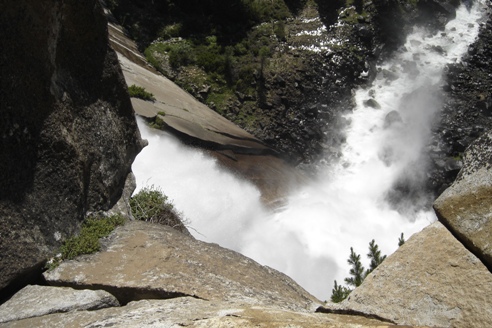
point(36, 301)
point(466, 207)
point(430, 280)
point(191, 312)
point(147, 261)
point(68, 131)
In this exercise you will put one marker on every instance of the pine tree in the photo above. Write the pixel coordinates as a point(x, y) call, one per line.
point(375, 256)
point(401, 240)
point(357, 271)
point(339, 293)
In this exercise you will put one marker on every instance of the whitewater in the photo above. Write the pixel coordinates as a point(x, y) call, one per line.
point(348, 205)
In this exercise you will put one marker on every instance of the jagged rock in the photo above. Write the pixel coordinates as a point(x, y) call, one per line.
point(430, 280)
point(191, 312)
point(466, 207)
point(68, 131)
point(144, 260)
point(36, 301)
point(465, 114)
point(372, 103)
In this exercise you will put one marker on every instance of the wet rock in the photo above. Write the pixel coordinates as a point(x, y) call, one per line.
point(146, 261)
point(36, 301)
point(431, 280)
point(466, 113)
point(372, 103)
point(392, 118)
point(465, 207)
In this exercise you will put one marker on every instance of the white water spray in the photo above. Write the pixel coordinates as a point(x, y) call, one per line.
point(310, 238)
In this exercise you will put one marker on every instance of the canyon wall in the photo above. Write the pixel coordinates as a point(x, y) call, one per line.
point(68, 129)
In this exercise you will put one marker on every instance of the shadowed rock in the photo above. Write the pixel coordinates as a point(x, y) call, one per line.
point(68, 131)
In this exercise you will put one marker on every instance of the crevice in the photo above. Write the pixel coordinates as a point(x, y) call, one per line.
point(465, 241)
point(125, 295)
point(322, 309)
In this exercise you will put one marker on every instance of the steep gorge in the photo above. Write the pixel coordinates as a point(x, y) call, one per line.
point(100, 164)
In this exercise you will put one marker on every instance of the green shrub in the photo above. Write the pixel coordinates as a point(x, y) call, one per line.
point(181, 54)
point(140, 92)
point(151, 205)
point(170, 31)
point(87, 242)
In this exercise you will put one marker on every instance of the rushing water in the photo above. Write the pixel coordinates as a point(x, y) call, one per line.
point(348, 206)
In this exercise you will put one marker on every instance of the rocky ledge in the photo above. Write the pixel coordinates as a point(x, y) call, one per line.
point(176, 111)
point(164, 278)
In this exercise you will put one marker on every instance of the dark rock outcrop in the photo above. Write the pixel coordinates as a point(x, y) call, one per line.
point(467, 111)
point(68, 131)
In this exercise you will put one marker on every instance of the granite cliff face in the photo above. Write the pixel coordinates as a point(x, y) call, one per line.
point(68, 130)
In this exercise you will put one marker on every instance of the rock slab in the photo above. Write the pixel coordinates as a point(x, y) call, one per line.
point(466, 207)
point(191, 312)
point(431, 280)
point(36, 301)
point(150, 261)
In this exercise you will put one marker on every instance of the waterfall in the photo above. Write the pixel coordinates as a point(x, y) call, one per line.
point(354, 201)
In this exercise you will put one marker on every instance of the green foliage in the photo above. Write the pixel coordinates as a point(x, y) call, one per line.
point(158, 123)
point(181, 54)
point(87, 242)
point(375, 256)
point(170, 31)
point(140, 92)
point(357, 271)
point(151, 205)
point(401, 240)
point(339, 293)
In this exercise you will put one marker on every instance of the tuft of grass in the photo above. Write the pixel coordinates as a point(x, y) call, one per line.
point(87, 242)
point(151, 205)
point(140, 92)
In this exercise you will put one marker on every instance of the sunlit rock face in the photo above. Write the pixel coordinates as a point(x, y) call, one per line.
point(432, 280)
point(68, 132)
point(466, 206)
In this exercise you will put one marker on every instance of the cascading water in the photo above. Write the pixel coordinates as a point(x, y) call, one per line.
point(354, 202)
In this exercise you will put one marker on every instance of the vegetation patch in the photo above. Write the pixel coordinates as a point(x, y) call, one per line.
point(87, 241)
point(139, 92)
point(151, 205)
point(357, 271)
